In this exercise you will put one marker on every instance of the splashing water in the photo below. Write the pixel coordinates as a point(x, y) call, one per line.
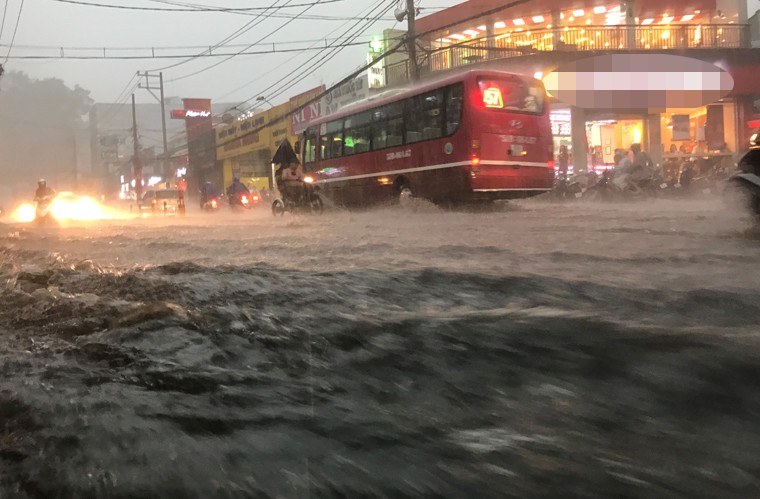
point(67, 206)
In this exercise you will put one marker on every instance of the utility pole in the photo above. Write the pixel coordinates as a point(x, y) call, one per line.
point(136, 157)
point(147, 86)
point(411, 35)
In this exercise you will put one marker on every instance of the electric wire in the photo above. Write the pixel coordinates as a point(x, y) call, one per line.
point(366, 11)
point(189, 9)
point(293, 78)
point(241, 52)
point(2, 23)
point(297, 78)
point(235, 34)
point(228, 55)
point(15, 30)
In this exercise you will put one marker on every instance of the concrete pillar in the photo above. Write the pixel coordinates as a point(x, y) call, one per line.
point(653, 138)
point(579, 139)
point(490, 40)
point(629, 8)
point(556, 28)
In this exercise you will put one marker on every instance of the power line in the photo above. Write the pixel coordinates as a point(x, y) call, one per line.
point(2, 23)
point(242, 51)
point(228, 55)
point(15, 30)
point(189, 9)
point(358, 31)
point(364, 12)
point(171, 47)
point(365, 67)
point(235, 34)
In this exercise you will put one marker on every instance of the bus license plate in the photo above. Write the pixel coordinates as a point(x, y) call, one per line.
point(515, 150)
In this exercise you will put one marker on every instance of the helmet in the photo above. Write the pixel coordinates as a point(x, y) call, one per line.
point(42, 182)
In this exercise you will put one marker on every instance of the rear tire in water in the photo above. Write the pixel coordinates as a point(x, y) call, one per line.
point(316, 205)
point(405, 195)
point(278, 208)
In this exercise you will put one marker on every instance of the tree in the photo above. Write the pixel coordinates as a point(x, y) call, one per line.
point(40, 124)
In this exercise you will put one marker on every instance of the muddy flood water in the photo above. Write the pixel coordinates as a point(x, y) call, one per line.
point(540, 350)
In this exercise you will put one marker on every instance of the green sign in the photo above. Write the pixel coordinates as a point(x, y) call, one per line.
point(377, 45)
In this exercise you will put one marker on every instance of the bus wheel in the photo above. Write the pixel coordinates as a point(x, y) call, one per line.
point(405, 195)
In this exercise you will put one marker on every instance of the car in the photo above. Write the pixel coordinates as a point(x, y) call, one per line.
point(160, 201)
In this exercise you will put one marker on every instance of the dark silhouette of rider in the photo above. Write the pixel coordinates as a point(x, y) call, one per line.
point(43, 190)
point(208, 192)
point(237, 189)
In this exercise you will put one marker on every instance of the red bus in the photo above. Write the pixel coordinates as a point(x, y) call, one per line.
point(479, 135)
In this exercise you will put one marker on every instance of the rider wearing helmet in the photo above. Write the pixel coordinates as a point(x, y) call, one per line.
point(237, 189)
point(43, 190)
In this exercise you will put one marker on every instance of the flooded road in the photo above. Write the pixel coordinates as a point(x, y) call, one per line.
point(541, 350)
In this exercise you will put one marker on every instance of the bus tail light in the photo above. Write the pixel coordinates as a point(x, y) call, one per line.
point(551, 164)
point(475, 154)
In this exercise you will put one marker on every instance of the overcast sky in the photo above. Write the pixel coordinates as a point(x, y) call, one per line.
point(52, 23)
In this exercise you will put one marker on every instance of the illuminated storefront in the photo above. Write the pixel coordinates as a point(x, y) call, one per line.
point(547, 25)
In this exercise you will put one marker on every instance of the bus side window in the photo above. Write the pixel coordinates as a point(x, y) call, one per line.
point(413, 118)
point(433, 115)
point(324, 147)
point(454, 105)
point(388, 126)
point(334, 139)
point(310, 147)
point(358, 134)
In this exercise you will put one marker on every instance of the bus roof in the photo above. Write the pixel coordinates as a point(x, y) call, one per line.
point(395, 94)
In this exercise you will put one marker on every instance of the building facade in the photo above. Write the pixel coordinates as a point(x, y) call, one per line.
point(245, 147)
point(537, 37)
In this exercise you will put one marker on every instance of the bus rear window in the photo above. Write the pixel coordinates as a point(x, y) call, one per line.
point(511, 95)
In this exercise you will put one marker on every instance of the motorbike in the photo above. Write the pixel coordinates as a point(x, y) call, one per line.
point(309, 202)
point(614, 185)
point(42, 213)
point(211, 204)
point(240, 201)
point(744, 185)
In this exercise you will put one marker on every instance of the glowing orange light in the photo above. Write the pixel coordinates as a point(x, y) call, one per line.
point(25, 213)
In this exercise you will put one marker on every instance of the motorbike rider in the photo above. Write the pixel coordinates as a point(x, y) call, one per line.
point(43, 191)
point(237, 189)
point(291, 182)
point(208, 192)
